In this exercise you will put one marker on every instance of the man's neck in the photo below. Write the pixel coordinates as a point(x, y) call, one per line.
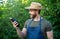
point(37, 18)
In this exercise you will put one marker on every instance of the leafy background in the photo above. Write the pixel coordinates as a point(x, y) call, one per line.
point(15, 9)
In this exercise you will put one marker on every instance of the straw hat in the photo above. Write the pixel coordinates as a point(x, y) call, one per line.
point(34, 5)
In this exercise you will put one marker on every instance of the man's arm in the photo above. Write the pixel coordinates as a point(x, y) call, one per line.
point(50, 34)
point(49, 30)
point(22, 33)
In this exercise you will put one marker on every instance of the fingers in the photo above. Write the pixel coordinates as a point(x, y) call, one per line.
point(15, 24)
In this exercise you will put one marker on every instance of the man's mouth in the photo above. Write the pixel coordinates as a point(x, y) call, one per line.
point(32, 16)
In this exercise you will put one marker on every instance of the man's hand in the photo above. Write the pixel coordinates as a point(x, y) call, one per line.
point(22, 33)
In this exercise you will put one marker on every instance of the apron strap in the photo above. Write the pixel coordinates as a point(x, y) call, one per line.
point(29, 22)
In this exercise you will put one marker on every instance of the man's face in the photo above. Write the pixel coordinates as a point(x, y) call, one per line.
point(33, 13)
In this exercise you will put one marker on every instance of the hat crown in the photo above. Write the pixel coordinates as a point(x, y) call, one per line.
point(35, 3)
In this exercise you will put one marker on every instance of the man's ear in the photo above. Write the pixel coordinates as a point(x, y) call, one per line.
point(39, 11)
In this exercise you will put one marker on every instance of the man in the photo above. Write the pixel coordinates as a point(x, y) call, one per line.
point(36, 27)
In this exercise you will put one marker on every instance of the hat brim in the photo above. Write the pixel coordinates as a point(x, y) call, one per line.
point(33, 8)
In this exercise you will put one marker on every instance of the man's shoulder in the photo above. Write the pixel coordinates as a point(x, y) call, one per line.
point(46, 22)
point(47, 25)
point(27, 21)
